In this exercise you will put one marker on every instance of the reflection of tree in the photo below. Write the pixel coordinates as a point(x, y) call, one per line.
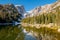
point(44, 33)
point(39, 37)
point(11, 33)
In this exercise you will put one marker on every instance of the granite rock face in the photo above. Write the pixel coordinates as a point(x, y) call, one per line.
point(48, 8)
point(8, 13)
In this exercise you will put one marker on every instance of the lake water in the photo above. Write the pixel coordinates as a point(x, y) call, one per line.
point(17, 32)
point(43, 33)
point(28, 35)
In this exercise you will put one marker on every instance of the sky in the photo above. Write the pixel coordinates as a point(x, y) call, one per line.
point(28, 4)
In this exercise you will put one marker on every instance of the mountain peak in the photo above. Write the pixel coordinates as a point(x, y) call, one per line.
point(20, 9)
point(45, 9)
point(18, 5)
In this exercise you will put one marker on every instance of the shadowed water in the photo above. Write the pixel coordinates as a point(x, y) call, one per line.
point(14, 33)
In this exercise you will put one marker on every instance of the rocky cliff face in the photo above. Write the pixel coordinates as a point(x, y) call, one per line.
point(20, 9)
point(45, 9)
point(40, 9)
point(36, 10)
point(8, 13)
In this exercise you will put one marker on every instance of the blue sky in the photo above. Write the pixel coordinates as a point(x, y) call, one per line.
point(28, 4)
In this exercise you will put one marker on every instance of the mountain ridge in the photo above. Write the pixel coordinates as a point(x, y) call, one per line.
point(44, 9)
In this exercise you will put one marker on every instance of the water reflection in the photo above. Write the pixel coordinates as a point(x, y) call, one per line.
point(28, 35)
point(17, 32)
point(43, 33)
point(11, 32)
